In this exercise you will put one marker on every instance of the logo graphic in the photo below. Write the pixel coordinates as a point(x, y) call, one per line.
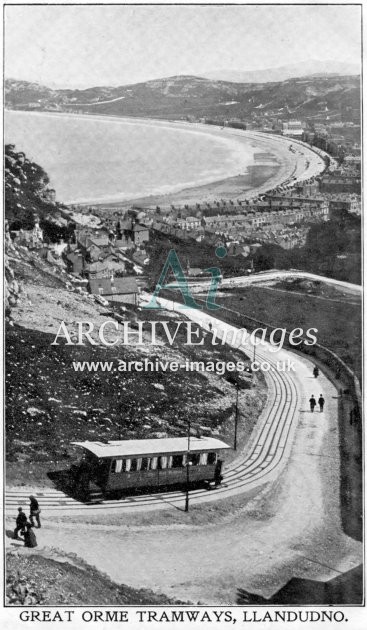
point(172, 264)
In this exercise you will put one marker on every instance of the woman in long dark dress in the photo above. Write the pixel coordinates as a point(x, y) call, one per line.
point(30, 539)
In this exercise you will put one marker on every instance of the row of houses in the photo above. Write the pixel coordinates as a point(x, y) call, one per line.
point(107, 277)
point(342, 203)
point(107, 257)
point(277, 211)
point(98, 257)
point(335, 183)
point(93, 259)
point(268, 202)
point(275, 217)
point(102, 254)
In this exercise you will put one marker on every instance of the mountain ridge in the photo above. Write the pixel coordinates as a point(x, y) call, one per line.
point(187, 96)
point(282, 73)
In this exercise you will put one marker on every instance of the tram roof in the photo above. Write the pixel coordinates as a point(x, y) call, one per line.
point(157, 446)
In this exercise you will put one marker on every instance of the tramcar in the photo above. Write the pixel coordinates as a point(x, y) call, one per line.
point(120, 467)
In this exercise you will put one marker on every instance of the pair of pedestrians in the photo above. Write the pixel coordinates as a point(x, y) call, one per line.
point(320, 402)
point(25, 527)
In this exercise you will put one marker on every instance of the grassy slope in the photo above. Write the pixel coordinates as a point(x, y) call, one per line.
point(200, 255)
point(338, 322)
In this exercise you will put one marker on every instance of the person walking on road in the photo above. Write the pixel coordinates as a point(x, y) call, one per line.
point(316, 371)
point(21, 522)
point(312, 403)
point(34, 511)
point(321, 402)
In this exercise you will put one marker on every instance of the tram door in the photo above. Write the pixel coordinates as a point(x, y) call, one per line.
point(101, 472)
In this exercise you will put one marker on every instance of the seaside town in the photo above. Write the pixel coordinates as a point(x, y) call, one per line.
point(107, 251)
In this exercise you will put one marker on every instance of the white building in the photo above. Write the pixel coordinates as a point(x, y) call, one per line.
point(292, 128)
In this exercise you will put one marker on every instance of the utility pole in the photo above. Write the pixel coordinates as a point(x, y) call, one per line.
point(188, 467)
point(236, 416)
point(119, 406)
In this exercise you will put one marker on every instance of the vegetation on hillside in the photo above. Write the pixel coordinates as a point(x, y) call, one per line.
point(36, 580)
point(191, 254)
point(338, 322)
point(332, 249)
point(27, 193)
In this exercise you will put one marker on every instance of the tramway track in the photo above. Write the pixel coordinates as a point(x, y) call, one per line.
point(263, 461)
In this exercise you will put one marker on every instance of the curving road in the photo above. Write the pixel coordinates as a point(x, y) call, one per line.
point(293, 528)
point(300, 161)
point(265, 455)
point(275, 274)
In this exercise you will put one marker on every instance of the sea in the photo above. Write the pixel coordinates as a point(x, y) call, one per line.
point(100, 159)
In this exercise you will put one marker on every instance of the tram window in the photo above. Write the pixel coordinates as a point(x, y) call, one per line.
point(162, 462)
point(212, 458)
point(177, 461)
point(117, 466)
point(154, 463)
point(145, 463)
point(127, 465)
point(203, 459)
point(134, 465)
point(194, 458)
point(170, 460)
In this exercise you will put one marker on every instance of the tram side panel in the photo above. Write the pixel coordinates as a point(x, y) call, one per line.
point(96, 476)
point(160, 471)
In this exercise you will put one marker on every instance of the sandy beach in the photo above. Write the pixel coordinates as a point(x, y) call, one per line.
point(281, 165)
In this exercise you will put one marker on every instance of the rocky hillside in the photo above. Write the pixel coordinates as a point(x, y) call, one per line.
point(183, 96)
point(53, 579)
point(27, 190)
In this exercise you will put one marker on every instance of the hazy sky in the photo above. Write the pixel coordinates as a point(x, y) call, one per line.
point(113, 45)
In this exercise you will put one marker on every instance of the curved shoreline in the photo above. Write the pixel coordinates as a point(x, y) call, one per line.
point(238, 155)
point(257, 179)
point(289, 165)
